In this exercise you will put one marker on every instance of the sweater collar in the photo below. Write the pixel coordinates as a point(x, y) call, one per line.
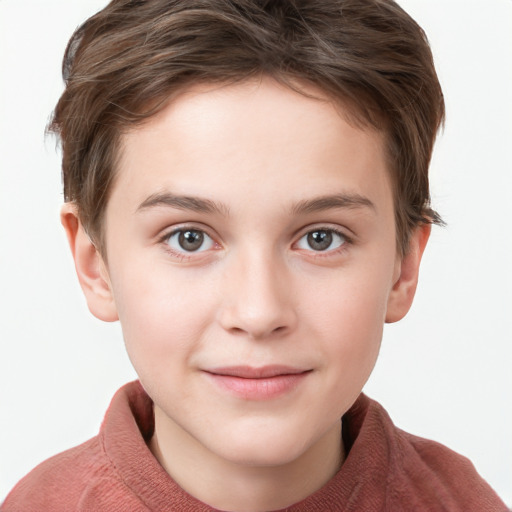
point(129, 425)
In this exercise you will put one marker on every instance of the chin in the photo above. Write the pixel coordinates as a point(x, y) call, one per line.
point(266, 457)
point(265, 447)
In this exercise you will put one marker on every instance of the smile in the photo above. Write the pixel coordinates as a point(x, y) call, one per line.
point(263, 383)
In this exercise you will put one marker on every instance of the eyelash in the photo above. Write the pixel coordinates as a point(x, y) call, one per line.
point(185, 256)
point(347, 241)
point(182, 256)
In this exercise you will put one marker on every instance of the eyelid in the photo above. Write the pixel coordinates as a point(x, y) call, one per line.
point(165, 235)
point(345, 232)
point(207, 241)
point(184, 226)
point(348, 239)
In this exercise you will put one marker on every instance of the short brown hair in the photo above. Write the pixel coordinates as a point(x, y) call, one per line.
point(125, 62)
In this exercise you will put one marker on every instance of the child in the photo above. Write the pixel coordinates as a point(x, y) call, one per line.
point(247, 192)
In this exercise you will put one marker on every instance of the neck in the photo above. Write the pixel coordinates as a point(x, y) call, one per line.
point(231, 486)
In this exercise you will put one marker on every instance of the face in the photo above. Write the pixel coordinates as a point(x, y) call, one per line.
point(251, 257)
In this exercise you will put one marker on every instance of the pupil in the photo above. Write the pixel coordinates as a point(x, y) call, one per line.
point(320, 240)
point(191, 240)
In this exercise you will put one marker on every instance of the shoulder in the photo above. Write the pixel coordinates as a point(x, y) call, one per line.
point(67, 481)
point(431, 475)
point(112, 471)
point(63, 481)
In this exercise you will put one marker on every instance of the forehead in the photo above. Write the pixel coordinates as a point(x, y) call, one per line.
point(246, 138)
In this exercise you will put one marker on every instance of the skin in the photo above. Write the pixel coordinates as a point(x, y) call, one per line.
point(258, 291)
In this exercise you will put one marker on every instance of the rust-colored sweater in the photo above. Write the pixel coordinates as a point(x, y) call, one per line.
point(386, 470)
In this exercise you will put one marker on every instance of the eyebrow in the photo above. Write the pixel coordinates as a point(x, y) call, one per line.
point(322, 203)
point(200, 205)
point(195, 204)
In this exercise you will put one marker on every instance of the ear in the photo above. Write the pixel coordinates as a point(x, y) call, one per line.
point(90, 267)
point(406, 275)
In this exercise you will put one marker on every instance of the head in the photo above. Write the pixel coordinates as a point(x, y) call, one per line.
point(248, 194)
point(124, 64)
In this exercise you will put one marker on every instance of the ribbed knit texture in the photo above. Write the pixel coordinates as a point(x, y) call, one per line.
point(386, 470)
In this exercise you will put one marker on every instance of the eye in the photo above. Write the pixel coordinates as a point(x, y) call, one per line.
point(321, 240)
point(189, 240)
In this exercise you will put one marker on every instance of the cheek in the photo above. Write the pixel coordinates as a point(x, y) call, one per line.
point(353, 300)
point(162, 315)
point(349, 318)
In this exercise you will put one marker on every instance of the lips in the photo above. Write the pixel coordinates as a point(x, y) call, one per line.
point(249, 372)
point(263, 383)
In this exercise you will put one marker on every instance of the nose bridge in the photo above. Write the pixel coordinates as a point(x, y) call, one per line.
point(257, 299)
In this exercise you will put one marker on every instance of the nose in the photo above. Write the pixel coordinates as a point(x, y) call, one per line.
point(257, 297)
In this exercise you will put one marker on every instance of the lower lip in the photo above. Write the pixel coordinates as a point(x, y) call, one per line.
point(258, 389)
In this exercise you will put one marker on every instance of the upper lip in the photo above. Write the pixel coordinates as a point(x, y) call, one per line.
point(251, 372)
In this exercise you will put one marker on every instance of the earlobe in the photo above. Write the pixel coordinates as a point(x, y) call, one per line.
point(90, 267)
point(403, 290)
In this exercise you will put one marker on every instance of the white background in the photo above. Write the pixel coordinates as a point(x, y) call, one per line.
point(445, 372)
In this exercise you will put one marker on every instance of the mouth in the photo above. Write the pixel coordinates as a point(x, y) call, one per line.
point(257, 383)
